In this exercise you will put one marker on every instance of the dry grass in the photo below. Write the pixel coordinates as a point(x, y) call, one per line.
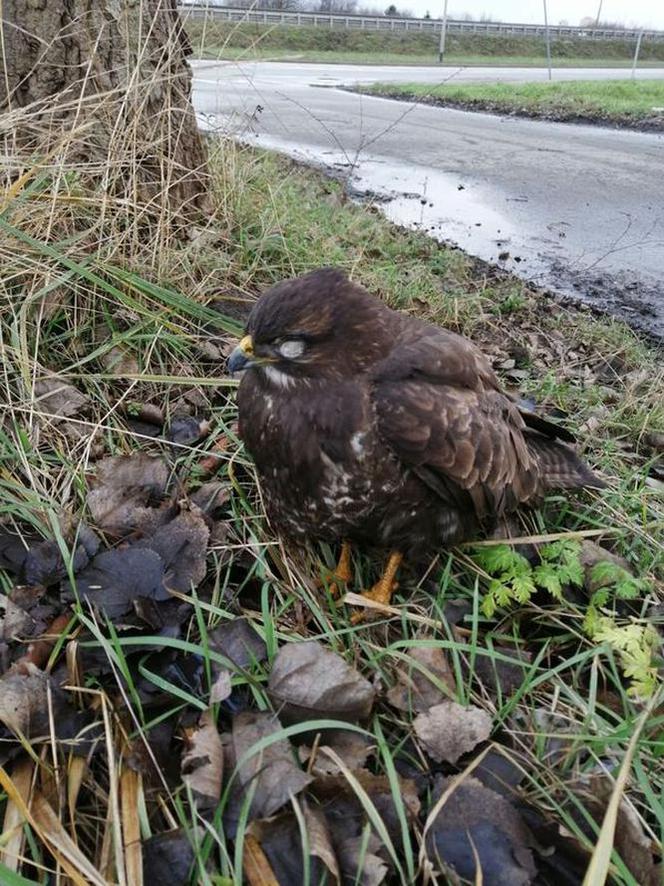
point(106, 293)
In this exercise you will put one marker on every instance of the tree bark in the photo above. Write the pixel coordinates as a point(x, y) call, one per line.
point(105, 83)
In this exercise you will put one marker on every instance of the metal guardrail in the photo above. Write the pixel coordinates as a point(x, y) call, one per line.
point(384, 23)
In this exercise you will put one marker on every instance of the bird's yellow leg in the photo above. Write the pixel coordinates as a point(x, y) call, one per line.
point(342, 571)
point(386, 585)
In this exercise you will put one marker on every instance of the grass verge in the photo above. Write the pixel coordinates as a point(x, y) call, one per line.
point(137, 332)
point(215, 50)
point(619, 102)
point(217, 39)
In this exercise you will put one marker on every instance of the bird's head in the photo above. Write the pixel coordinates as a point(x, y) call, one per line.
point(317, 326)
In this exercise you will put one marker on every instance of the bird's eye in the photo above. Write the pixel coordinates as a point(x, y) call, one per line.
point(291, 348)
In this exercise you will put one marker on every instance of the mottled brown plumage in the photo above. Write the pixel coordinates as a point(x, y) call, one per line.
point(370, 425)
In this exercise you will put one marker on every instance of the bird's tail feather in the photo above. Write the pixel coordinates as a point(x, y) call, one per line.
point(560, 466)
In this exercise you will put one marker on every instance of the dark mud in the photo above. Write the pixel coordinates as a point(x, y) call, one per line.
point(463, 216)
point(618, 295)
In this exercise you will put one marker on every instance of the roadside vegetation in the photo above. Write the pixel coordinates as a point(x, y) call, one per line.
point(217, 39)
point(516, 686)
point(621, 102)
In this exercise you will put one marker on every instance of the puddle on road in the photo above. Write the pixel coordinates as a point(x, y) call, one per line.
point(438, 204)
point(457, 210)
point(446, 207)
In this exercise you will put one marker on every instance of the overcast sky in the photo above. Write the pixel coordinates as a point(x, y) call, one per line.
point(642, 12)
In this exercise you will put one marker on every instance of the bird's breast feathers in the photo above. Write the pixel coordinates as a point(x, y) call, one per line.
point(316, 452)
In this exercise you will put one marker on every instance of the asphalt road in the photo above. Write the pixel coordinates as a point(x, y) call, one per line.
point(576, 208)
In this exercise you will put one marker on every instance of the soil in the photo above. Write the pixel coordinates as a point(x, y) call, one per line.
point(654, 123)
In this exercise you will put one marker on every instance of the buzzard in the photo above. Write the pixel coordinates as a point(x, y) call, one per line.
point(368, 425)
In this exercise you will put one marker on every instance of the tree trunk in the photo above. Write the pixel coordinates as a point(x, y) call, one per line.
point(104, 83)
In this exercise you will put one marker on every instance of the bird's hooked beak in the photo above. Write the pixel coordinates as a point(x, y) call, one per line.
point(243, 356)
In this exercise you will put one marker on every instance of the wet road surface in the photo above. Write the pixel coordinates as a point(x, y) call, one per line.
point(579, 209)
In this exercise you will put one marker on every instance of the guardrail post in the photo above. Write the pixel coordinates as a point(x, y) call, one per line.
point(548, 39)
point(636, 55)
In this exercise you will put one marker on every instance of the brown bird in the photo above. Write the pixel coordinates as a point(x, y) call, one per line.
point(368, 425)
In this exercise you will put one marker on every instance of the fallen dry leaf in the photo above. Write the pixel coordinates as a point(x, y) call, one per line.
point(127, 491)
point(187, 430)
point(237, 641)
point(309, 681)
point(182, 546)
point(45, 565)
point(480, 836)
point(15, 622)
point(57, 398)
point(24, 702)
point(168, 858)
point(115, 579)
point(425, 679)
point(221, 686)
point(211, 497)
point(448, 730)
point(14, 547)
point(360, 862)
point(271, 774)
point(120, 361)
point(345, 812)
point(31, 702)
point(280, 839)
point(631, 842)
point(203, 762)
point(352, 748)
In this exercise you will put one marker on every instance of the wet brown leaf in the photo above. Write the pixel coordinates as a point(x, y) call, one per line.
point(424, 680)
point(308, 681)
point(280, 839)
point(360, 862)
point(221, 685)
point(182, 546)
point(631, 841)
point(448, 730)
point(45, 565)
point(271, 773)
point(24, 702)
point(115, 579)
point(31, 702)
point(353, 749)
point(14, 548)
point(203, 762)
point(211, 497)
point(477, 828)
point(344, 810)
point(187, 430)
point(127, 491)
point(168, 858)
point(500, 674)
point(237, 641)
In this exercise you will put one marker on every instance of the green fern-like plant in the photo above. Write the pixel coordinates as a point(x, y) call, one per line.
point(636, 645)
point(512, 579)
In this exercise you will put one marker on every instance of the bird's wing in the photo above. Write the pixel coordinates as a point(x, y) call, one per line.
point(439, 407)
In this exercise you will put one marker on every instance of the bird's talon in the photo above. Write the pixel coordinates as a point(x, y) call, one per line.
point(381, 593)
point(341, 575)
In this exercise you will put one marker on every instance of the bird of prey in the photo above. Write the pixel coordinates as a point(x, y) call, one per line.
point(370, 426)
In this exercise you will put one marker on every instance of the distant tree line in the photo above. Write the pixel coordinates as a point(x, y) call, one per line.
point(335, 7)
